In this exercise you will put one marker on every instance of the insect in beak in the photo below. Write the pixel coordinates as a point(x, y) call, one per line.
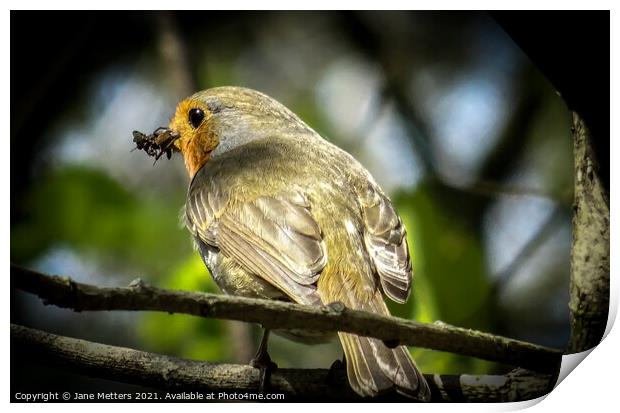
point(157, 143)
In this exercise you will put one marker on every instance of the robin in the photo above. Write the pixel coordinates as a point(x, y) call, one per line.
point(277, 212)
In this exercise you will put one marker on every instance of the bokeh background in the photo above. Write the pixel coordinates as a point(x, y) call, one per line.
point(453, 120)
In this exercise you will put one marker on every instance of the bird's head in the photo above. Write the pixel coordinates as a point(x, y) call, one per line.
point(214, 121)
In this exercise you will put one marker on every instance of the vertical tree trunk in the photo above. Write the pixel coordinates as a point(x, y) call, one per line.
point(589, 288)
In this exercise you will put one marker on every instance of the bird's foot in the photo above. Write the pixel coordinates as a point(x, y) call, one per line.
point(263, 362)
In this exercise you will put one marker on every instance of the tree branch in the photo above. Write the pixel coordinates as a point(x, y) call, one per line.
point(66, 293)
point(173, 374)
point(589, 289)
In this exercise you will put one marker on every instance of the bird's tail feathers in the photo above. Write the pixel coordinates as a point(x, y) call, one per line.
point(374, 369)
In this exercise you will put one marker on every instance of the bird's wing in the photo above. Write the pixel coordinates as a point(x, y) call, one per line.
point(204, 206)
point(385, 238)
point(273, 237)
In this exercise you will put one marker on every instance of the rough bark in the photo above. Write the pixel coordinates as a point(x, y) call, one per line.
point(66, 293)
point(182, 376)
point(589, 288)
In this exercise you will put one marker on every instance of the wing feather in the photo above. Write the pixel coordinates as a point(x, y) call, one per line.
point(273, 237)
point(385, 239)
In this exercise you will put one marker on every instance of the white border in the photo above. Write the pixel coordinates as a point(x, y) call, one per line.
point(314, 5)
point(590, 385)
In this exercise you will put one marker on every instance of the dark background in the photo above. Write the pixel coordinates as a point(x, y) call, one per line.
point(464, 129)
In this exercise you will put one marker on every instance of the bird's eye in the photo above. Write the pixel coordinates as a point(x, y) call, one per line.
point(195, 117)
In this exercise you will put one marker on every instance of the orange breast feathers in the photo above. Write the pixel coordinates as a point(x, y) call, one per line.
point(196, 141)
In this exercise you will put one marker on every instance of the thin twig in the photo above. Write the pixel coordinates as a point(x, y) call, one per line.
point(492, 189)
point(179, 377)
point(66, 293)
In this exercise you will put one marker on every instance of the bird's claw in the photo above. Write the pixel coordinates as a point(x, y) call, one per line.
point(266, 366)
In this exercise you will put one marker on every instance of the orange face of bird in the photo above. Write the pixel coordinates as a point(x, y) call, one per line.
point(195, 137)
point(191, 131)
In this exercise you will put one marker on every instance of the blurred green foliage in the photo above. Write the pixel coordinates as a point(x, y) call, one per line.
point(89, 211)
point(450, 280)
point(186, 336)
